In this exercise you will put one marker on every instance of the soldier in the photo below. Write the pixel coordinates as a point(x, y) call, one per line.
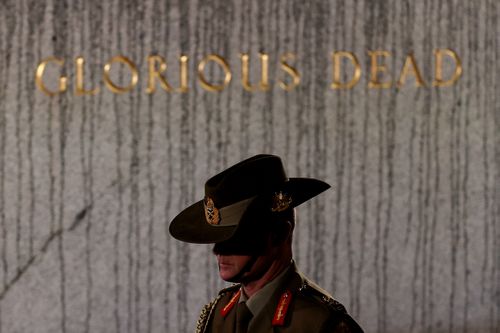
point(248, 213)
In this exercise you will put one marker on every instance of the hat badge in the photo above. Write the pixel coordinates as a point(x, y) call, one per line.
point(211, 212)
point(281, 202)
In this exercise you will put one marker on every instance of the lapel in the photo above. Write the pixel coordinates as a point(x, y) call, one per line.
point(225, 324)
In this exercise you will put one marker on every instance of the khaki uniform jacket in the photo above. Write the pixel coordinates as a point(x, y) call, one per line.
point(310, 310)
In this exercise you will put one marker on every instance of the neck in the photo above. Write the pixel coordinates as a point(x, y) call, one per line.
point(275, 269)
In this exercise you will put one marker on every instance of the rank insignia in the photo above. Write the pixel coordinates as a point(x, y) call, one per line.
point(281, 202)
point(225, 310)
point(282, 309)
point(211, 212)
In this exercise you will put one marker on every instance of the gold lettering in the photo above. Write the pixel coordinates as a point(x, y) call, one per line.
point(438, 70)
point(264, 79)
point(40, 70)
point(133, 80)
point(410, 66)
point(184, 74)
point(337, 59)
point(225, 67)
point(290, 71)
point(375, 69)
point(79, 89)
point(155, 73)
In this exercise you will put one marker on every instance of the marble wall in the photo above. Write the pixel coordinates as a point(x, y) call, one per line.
point(409, 236)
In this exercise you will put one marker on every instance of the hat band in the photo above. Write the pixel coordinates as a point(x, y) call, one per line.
point(225, 216)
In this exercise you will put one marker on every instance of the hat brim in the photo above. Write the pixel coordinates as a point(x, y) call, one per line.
point(190, 225)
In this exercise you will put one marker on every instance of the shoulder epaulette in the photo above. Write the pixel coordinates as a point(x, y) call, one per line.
point(312, 290)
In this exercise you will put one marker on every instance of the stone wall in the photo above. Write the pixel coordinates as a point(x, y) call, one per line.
point(409, 236)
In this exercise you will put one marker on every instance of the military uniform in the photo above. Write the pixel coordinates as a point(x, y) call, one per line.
point(248, 210)
point(295, 305)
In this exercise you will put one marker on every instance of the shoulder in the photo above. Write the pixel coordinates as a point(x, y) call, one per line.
point(229, 290)
point(209, 308)
point(224, 293)
point(332, 315)
point(311, 291)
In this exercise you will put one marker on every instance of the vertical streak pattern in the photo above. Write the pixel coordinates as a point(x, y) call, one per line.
point(407, 238)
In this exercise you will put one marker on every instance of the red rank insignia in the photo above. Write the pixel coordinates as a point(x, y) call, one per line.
point(281, 310)
point(225, 310)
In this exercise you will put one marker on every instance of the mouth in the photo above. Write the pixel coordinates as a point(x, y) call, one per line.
point(224, 264)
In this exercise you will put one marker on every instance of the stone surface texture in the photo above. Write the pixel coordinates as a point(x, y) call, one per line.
point(408, 238)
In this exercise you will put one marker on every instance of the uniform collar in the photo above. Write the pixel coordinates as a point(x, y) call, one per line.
point(259, 300)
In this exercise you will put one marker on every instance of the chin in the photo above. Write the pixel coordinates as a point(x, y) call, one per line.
point(226, 274)
point(229, 277)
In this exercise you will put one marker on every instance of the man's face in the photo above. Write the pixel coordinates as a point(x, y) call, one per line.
point(244, 269)
point(230, 266)
point(245, 256)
